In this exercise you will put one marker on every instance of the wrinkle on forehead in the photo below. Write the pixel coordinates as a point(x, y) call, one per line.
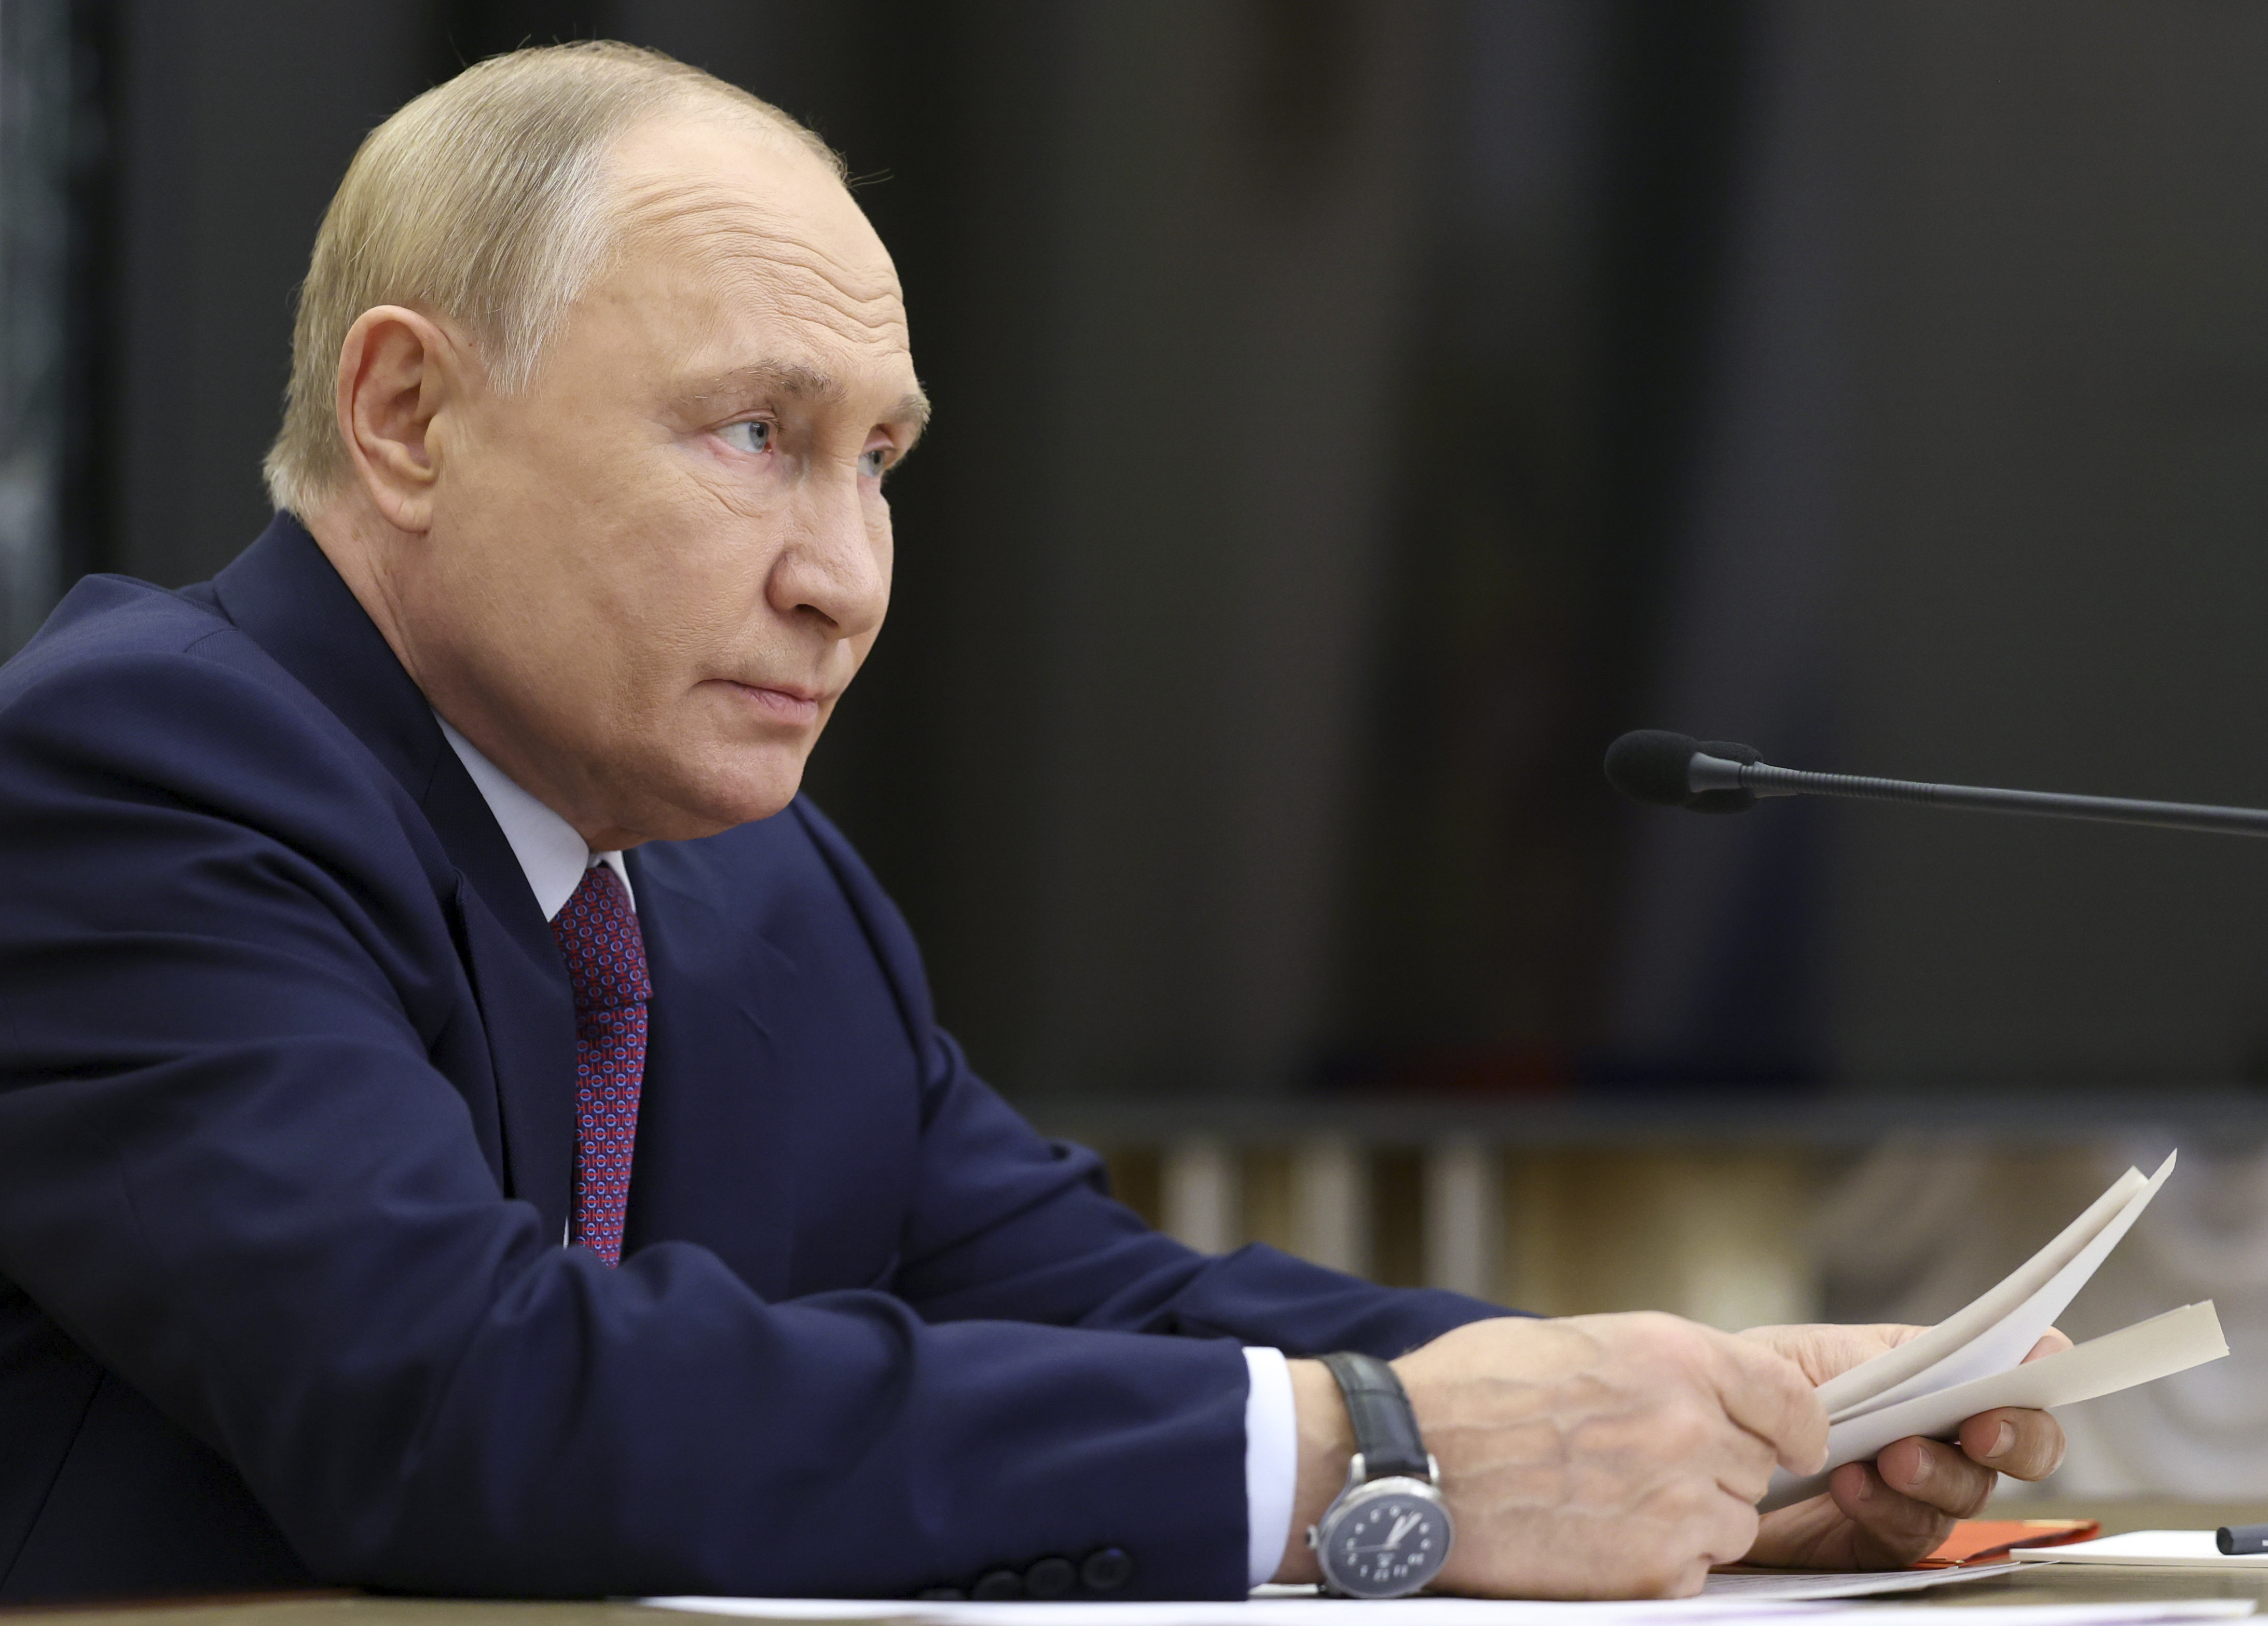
point(729, 235)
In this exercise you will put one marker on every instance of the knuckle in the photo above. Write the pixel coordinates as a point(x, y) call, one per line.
point(1665, 1334)
point(1736, 1534)
point(1750, 1470)
point(1799, 1390)
point(1657, 1576)
point(1689, 1340)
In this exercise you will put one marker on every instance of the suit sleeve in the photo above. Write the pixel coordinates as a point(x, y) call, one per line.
point(230, 1173)
point(1007, 1224)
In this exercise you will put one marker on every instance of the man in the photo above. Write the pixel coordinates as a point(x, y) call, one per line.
point(467, 1126)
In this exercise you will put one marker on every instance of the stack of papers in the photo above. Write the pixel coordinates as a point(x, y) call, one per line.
point(1973, 1361)
point(1800, 1586)
point(1779, 1585)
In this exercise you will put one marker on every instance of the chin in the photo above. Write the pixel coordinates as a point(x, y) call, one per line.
point(710, 803)
point(705, 785)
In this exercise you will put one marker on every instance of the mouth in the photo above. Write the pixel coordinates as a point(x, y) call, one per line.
point(792, 703)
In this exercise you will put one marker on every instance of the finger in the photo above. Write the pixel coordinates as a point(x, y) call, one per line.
point(1729, 1530)
point(1936, 1474)
point(1767, 1395)
point(1810, 1534)
point(1712, 1528)
point(1741, 1462)
point(2055, 1340)
point(2027, 1445)
point(1687, 1525)
point(1827, 1351)
point(1890, 1530)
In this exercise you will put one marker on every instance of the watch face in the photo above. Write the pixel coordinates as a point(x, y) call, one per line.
point(1386, 1545)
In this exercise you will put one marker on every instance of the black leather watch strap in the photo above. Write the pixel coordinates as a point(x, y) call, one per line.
point(1385, 1427)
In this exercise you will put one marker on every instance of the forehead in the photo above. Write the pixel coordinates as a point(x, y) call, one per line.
point(733, 239)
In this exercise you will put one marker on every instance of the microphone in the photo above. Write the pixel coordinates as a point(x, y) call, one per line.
point(1716, 776)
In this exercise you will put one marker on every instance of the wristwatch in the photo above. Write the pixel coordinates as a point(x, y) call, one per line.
point(1388, 1532)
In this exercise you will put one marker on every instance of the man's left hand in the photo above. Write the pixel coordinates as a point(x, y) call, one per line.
point(1889, 1513)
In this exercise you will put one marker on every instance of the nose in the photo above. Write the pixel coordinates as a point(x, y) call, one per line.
point(834, 571)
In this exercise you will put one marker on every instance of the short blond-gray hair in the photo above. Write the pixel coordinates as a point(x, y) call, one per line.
point(483, 201)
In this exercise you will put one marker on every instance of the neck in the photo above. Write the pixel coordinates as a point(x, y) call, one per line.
point(369, 555)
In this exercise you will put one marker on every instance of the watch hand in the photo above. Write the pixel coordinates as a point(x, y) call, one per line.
point(1402, 1527)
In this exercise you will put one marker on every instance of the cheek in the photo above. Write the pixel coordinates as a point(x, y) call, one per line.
point(691, 601)
point(883, 541)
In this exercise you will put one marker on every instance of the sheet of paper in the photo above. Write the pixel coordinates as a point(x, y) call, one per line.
point(2190, 1549)
point(1863, 1382)
point(1456, 1612)
point(1800, 1586)
point(2163, 1345)
point(1999, 1328)
point(1310, 1610)
point(1790, 1585)
point(2046, 1614)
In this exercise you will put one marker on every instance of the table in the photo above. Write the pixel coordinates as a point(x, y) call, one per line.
point(2045, 1584)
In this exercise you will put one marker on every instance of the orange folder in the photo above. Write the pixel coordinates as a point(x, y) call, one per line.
point(1987, 1540)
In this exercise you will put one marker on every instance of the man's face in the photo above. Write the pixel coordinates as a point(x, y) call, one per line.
point(653, 571)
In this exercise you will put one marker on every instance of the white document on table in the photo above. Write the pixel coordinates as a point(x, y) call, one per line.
point(1781, 1586)
point(1267, 1604)
point(1800, 1586)
point(1452, 1612)
point(2190, 1550)
point(1973, 1361)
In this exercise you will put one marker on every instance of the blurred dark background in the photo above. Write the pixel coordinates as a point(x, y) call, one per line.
point(1351, 417)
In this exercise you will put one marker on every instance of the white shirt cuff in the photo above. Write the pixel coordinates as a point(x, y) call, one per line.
point(1271, 1460)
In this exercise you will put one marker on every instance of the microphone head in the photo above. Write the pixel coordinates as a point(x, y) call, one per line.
point(1649, 766)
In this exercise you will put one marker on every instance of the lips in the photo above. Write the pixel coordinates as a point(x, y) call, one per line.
point(782, 702)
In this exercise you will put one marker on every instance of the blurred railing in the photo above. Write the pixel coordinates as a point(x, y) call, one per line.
point(1696, 1203)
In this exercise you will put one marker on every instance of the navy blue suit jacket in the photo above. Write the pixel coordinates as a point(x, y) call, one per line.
point(286, 1063)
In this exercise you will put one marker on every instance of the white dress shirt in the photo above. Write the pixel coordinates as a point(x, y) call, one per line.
point(554, 857)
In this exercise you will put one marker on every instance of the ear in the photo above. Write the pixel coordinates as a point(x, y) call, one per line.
point(400, 372)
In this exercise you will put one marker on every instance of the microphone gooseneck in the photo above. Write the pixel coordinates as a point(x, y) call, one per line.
point(1715, 776)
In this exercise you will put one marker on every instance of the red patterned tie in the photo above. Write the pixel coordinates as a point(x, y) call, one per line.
point(598, 932)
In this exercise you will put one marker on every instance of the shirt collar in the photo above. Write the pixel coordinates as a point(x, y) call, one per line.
point(551, 855)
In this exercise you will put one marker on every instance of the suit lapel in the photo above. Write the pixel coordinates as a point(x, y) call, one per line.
point(711, 1096)
point(283, 594)
point(526, 1002)
point(529, 1014)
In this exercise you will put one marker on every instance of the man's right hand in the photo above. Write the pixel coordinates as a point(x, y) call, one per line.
point(1598, 1456)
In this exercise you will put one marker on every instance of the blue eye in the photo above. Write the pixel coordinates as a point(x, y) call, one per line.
point(873, 461)
point(756, 435)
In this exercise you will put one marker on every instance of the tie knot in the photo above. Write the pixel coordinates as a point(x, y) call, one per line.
point(598, 933)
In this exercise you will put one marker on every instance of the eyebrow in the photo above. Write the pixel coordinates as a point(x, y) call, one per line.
point(797, 381)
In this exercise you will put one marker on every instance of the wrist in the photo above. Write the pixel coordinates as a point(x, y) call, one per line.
point(1388, 1531)
point(1325, 1449)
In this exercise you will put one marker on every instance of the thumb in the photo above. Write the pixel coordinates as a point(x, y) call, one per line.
point(1825, 1352)
point(1770, 1395)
